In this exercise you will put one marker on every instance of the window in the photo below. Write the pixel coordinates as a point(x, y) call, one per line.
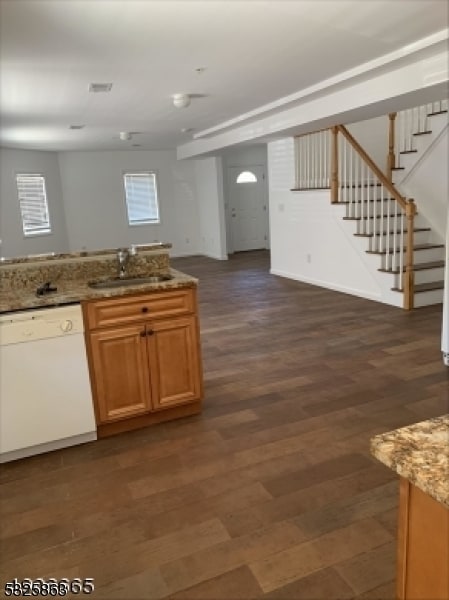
point(246, 177)
point(33, 204)
point(141, 198)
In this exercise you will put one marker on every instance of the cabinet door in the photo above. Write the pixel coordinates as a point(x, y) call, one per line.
point(174, 361)
point(120, 367)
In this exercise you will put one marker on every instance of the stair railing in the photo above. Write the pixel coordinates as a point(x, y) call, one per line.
point(406, 124)
point(384, 215)
point(312, 151)
point(333, 159)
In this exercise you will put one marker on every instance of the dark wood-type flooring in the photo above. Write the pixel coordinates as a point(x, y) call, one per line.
point(271, 492)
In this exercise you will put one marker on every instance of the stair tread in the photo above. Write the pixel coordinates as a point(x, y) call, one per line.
point(304, 189)
point(424, 287)
point(423, 132)
point(371, 217)
point(437, 112)
point(365, 200)
point(436, 264)
point(360, 185)
point(416, 230)
point(408, 151)
point(397, 168)
point(416, 247)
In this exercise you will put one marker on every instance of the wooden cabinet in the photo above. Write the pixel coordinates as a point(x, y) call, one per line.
point(144, 356)
point(423, 546)
point(119, 359)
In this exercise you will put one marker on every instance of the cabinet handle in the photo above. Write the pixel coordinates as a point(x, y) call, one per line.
point(143, 333)
point(150, 332)
point(144, 309)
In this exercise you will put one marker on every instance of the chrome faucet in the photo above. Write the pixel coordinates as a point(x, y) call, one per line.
point(123, 256)
point(123, 259)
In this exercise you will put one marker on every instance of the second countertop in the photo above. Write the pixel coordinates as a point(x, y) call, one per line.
point(419, 453)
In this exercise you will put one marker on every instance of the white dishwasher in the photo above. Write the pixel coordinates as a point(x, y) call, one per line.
point(45, 394)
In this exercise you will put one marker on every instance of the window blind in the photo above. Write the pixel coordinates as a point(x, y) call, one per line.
point(33, 204)
point(141, 198)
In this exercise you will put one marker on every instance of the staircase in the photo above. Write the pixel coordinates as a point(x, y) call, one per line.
point(417, 130)
point(408, 252)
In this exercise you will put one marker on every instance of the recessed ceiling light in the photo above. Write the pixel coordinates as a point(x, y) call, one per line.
point(77, 126)
point(125, 135)
point(186, 130)
point(100, 87)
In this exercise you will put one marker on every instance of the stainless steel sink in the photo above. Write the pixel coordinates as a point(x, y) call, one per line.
point(124, 281)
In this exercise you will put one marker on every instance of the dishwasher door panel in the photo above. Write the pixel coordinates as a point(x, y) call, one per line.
point(44, 391)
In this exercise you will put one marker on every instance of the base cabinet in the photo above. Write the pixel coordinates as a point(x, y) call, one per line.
point(120, 363)
point(423, 546)
point(143, 363)
point(173, 364)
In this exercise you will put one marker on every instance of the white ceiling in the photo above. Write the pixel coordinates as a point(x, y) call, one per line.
point(253, 52)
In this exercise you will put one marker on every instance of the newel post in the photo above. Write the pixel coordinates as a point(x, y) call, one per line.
point(334, 165)
point(391, 158)
point(409, 276)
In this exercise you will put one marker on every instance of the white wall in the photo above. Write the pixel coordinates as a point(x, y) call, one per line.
point(92, 184)
point(243, 156)
point(372, 135)
point(427, 182)
point(209, 187)
point(311, 242)
point(13, 242)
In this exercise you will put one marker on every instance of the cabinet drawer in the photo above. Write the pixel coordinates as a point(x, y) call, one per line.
point(129, 309)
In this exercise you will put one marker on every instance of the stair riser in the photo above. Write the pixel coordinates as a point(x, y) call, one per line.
point(420, 256)
point(420, 237)
point(364, 194)
point(428, 298)
point(430, 255)
point(370, 225)
point(372, 209)
point(424, 276)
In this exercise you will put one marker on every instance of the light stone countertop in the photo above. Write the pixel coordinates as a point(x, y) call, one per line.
point(419, 453)
point(73, 291)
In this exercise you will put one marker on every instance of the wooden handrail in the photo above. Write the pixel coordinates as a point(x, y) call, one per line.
point(374, 168)
point(391, 158)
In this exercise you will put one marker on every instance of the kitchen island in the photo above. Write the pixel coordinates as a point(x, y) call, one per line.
point(419, 454)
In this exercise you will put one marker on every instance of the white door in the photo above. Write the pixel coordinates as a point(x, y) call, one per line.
point(248, 208)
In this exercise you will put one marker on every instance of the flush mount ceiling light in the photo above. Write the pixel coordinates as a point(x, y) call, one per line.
point(100, 87)
point(125, 135)
point(181, 100)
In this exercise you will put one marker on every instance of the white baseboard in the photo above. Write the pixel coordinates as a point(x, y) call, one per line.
point(330, 286)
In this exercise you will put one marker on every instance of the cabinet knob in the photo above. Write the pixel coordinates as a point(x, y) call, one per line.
point(143, 333)
point(150, 332)
point(144, 309)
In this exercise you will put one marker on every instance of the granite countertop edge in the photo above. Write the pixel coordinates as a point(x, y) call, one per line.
point(79, 291)
point(419, 453)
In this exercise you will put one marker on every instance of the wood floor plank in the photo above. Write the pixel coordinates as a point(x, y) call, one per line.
point(294, 563)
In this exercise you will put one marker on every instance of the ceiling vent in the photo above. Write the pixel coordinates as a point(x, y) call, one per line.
point(77, 126)
point(100, 87)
